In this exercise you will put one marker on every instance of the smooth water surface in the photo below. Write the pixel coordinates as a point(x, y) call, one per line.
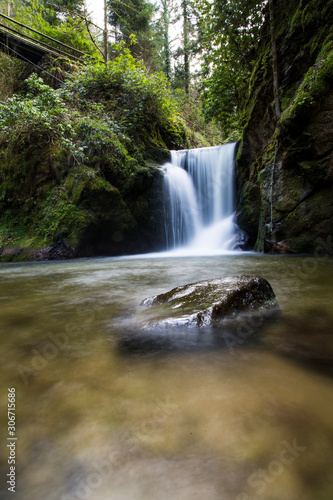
point(98, 422)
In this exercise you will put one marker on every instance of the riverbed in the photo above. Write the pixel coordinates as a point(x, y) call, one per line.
point(240, 421)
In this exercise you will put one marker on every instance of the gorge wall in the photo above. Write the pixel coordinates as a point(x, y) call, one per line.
point(285, 171)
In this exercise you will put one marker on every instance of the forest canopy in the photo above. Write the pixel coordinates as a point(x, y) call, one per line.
point(203, 48)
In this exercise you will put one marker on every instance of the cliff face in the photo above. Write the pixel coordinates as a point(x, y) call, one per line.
point(82, 214)
point(285, 171)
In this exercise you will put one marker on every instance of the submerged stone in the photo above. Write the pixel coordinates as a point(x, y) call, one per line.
point(209, 303)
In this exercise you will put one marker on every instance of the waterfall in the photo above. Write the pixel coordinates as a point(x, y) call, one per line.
point(199, 200)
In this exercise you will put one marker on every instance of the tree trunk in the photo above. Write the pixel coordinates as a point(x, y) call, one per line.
point(275, 64)
point(166, 40)
point(186, 47)
point(105, 33)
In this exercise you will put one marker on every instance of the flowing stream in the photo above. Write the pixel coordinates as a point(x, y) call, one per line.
point(199, 200)
point(94, 421)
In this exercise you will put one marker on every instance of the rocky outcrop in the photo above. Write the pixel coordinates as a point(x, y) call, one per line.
point(88, 216)
point(285, 170)
point(210, 302)
point(126, 219)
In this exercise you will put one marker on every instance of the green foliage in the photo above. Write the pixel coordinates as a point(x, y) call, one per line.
point(141, 103)
point(10, 68)
point(95, 112)
point(163, 24)
point(70, 29)
point(64, 8)
point(40, 117)
point(134, 17)
point(201, 132)
point(58, 216)
point(67, 152)
point(230, 32)
point(189, 47)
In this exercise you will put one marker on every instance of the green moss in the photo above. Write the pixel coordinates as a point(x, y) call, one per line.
point(239, 149)
point(245, 203)
point(307, 15)
point(301, 244)
point(81, 180)
point(261, 177)
point(315, 171)
point(6, 258)
point(313, 89)
point(322, 38)
point(58, 217)
point(23, 257)
point(259, 244)
point(287, 98)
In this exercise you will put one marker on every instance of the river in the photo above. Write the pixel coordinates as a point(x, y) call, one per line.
point(97, 421)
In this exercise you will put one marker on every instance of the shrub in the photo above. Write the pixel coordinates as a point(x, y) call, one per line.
point(140, 102)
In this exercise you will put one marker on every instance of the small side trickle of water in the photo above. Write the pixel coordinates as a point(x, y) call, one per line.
point(199, 200)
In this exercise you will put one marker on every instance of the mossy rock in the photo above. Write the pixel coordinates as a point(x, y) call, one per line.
point(310, 221)
point(304, 169)
point(207, 303)
point(248, 210)
point(86, 189)
point(318, 172)
point(314, 88)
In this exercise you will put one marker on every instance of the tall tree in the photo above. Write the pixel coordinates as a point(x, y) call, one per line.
point(65, 6)
point(189, 46)
point(230, 31)
point(163, 24)
point(274, 60)
point(186, 44)
point(54, 11)
point(134, 17)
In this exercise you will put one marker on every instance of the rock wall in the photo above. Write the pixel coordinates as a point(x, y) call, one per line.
point(285, 170)
point(86, 215)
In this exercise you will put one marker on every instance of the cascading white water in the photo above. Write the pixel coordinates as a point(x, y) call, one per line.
point(199, 199)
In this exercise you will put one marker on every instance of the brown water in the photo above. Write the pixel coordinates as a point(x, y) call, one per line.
point(96, 422)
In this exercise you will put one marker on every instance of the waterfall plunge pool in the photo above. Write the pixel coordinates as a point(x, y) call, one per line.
point(96, 423)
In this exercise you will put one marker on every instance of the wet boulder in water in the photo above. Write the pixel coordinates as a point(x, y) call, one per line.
point(210, 302)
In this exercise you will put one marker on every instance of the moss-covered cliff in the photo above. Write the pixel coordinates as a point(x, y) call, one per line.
point(79, 165)
point(285, 170)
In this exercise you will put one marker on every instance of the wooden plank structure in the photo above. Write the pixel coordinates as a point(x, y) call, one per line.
point(32, 50)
